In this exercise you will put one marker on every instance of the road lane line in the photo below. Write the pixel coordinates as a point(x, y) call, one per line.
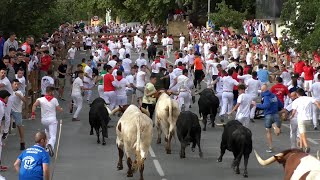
point(158, 167)
point(312, 141)
point(151, 152)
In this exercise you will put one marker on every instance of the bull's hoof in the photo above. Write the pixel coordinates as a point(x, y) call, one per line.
point(159, 141)
point(204, 129)
point(98, 142)
point(168, 151)
point(119, 166)
point(237, 170)
point(129, 174)
point(141, 178)
point(201, 154)
point(219, 160)
point(192, 149)
point(245, 175)
point(182, 156)
point(213, 124)
point(91, 132)
point(104, 143)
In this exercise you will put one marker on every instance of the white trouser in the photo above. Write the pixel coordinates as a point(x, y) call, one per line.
point(315, 113)
point(122, 100)
point(1, 133)
point(184, 98)
point(293, 133)
point(219, 96)
point(307, 85)
point(77, 100)
point(181, 46)
point(253, 108)
point(7, 116)
point(227, 103)
point(169, 49)
point(244, 121)
point(88, 93)
point(50, 126)
point(110, 97)
point(101, 91)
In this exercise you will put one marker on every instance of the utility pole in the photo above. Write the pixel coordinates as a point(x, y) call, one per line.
point(208, 9)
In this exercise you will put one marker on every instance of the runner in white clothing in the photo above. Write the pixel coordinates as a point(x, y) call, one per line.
point(141, 61)
point(253, 87)
point(184, 85)
point(182, 41)
point(88, 80)
point(126, 63)
point(315, 91)
point(243, 106)
point(49, 105)
point(4, 95)
point(120, 84)
point(22, 80)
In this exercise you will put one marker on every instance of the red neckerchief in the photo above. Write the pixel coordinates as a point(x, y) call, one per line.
point(119, 78)
point(115, 68)
point(49, 97)
point(162, 57)
point(285, 70)
point(180, 67)
point(156, 61)
point(5, 104)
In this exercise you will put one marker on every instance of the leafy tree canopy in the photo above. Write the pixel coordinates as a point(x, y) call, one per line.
point(302, 20)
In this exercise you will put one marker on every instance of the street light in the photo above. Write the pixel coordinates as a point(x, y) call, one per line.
point(208, 9)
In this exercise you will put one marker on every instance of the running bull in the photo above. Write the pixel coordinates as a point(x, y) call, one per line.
point(166, 115)
point(297, 164)
point(99, 118)
point(208, 105)
point(134, 136)
point(238, 139)
point(188, 130)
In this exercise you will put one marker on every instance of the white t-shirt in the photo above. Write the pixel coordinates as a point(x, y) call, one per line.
point(71, 53)
point(253, 87)
point(315, 89)
point(88, 71)
point(245, 77)
point(46, 81)
point(128, 47)
point(315, 77)
point(224, 64)
point(248, 58)
point(224, 50)
point(184, 83)
point(126, 63)
point(289, 108)
point(172, 77)
point(141, 62)
point(164, 41)
point(219, 87)
point(48, 109)
point(141, 79)
point(181, 39)
point(235, 52)
point(244, 109)
point(177, 72)
point(163, 62)
point(122, 53)
point(112, 63)
point(130, 79)
point(303, 106)
point(23, 85)
point(179, 60)
point(2, 109)
point(16, 101)
point(76, 87)
point(155, 67)
point(120, 86)
point(228, 83)
point(88, 41)
point(286, 77)
point(7, 85)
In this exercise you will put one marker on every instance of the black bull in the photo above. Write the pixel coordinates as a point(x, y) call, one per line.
point(237, 139)
point(188, 130)
point(99, 118)
point(208, 105)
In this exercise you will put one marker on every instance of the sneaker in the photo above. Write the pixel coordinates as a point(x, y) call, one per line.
point(14, 125)
point(3, 168)
point(22, 146)
point(222, 118)
point(307, 150)
point(75, 119)
point(315, 128)
point(50, 150)
point(270, 150)
point(5, 136)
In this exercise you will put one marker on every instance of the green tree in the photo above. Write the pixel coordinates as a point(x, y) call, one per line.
point(302, 20)
point(224, 15)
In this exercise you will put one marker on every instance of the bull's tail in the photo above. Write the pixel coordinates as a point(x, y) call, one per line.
point(170, 119)
point(137, 144)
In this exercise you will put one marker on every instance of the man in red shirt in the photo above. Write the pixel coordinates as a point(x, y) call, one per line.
point(109, 89)
point(308, 76)
point(45, 63)
point(280, 90)
point(298, 67)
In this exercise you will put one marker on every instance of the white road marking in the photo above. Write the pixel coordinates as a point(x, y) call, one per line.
point(309, 139)
point(151, 152)
point(158, 167)
point(312, 141)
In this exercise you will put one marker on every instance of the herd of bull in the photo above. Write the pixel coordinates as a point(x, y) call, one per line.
point(135, 132)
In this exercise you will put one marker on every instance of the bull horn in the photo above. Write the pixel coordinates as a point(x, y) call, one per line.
point(109, 111)
point(267, 161)
point(115, 110)
point(144, 111)
point(318, 154)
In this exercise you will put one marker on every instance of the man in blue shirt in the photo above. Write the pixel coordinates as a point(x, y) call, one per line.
point(33, 163)
point(263, 74)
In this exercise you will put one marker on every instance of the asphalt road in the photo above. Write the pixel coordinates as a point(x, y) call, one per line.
point(81, 158)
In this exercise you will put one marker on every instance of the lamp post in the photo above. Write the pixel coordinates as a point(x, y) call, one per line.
point(208, 9)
